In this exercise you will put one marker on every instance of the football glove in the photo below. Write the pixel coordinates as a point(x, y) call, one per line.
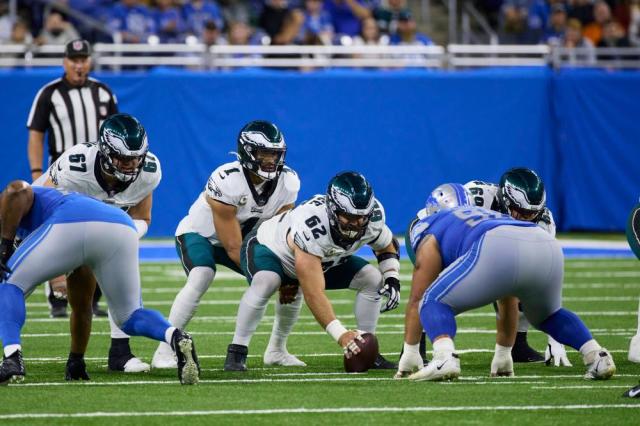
point(502, 364)
point(556, 354)
point(410, 361)
point(390, 290)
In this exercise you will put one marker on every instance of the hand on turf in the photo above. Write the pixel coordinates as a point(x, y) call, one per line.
point(502, 365)
point(409, 362)
point(390, 290)
point(288, 293)
point(556, 354)
point(348, 342)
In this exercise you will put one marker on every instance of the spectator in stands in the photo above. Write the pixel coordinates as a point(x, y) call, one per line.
point(582, 48)
point(20, 33)
point(57, 30)
point(557, 24)
point(237, 10)
point(346, 15)
point(240, 34)
point(133, 20)
point(634, 26)
point(97, 9)
point(168, 22)
point(281, 22)
point(387, 17)
point(407, 33)
point(317, 26)
point(613, 36)
point(537, 20)
point(211, 35)
point(601, 15)
point(370, 35)
point(581, 10)
point(514, 29)
point(198, 12)
point(5, 21)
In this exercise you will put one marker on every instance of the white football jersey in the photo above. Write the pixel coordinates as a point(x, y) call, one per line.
point(228, 184)
point(308, 226)
point(486, 195)
point(78, 170)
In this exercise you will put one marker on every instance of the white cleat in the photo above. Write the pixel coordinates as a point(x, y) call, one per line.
point(445, 367)
point(135, 365)
point(164, 357)
point(602, 368)
point(282, 358)
point(634, 349)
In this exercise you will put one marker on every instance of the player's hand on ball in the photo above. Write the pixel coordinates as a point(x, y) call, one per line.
point(409, 363)
point(390, 290)
point(348, 342)
point(556, 355)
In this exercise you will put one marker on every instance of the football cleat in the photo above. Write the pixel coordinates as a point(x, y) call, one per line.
point(381, 363)
point(187, 360)
point(12, 368)
point(282, 358)
point(121, 358)
point(236, 358)
point(602, 367)
point(634, 349)
point(522, 352)
point(76, 369)
point(98, 311)
point(633, 392)
point(164, 357)
point(442, 367)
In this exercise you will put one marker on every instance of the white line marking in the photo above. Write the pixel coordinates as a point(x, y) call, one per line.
point(324, 410)
point(583, 387)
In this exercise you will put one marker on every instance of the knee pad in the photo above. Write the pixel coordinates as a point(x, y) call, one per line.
point(368, 280)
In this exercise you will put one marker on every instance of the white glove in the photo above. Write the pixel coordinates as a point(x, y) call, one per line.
point(410, 361)
point(502, 363)
point(555, 352)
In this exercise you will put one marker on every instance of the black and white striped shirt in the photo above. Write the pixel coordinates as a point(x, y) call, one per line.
point(70, 114)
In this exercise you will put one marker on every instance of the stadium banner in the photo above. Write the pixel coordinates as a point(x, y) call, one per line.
point(407, 131)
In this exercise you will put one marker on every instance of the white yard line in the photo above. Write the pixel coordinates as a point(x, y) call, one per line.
point(324, 410)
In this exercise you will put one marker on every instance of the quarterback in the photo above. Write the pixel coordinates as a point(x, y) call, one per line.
point(120, 171)
point(312, 248)
point(237, 198)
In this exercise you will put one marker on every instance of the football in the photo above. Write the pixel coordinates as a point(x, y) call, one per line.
point(365, 358)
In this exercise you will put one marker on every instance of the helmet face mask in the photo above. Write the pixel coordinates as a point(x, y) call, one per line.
point(521, 194)
point(447, 196)
point(350, 203)
point(123, 147)
point(262, 149)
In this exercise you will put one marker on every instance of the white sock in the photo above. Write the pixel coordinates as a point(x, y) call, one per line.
point(588, 349)
point(443, 346)
point(188, 299)
point(253, 304)
point(168, 334)
point(366, 309)
point(286, 317)
point(116, 333)
point(10, 349)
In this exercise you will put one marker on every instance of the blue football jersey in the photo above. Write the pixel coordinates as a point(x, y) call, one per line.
point(458, 228)
point(53, 206)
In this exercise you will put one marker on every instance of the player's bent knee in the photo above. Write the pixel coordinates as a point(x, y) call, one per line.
point(266, 283)
point(200, 278)
point(367, 280)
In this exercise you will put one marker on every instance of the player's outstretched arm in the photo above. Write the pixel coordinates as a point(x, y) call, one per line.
point(15, 202)
point(227, 228)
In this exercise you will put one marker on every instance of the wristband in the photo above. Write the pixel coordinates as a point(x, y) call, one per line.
point(335, 329)
point(35, 170)
point(411, 349)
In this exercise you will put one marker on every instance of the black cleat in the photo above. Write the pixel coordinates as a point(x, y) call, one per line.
point(98, 311)
point(381, 363)
point(188, 366)
point(236, 358)
point(423, 349)
point(57, 306)
point(633, 392)
point(522, 352)
point(12, 368)
point(76, 369)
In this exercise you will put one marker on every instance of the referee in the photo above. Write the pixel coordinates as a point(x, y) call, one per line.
point(69, 110)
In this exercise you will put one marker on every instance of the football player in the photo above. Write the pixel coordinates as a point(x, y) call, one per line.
point(60, 233)
point(467, 257)
point(313, 246)
point(633, 237)
point(238, 197)
point(120, 171)
point(521, 194)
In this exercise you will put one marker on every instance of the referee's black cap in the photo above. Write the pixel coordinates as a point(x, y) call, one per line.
point(77, 49)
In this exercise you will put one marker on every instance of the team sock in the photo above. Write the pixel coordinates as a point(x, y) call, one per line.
point(12, 314)
point(437, 320)
point(148, 323)
point(567, 328)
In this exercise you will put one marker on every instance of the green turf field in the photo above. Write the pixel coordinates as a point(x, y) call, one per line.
point(604, 292)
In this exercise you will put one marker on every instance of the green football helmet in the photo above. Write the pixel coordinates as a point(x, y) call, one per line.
point(350, 204)
point(123, 147)
point(261, 149)
point(521, 194)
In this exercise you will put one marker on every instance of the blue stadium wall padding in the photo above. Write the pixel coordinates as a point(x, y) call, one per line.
point(407, 131)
